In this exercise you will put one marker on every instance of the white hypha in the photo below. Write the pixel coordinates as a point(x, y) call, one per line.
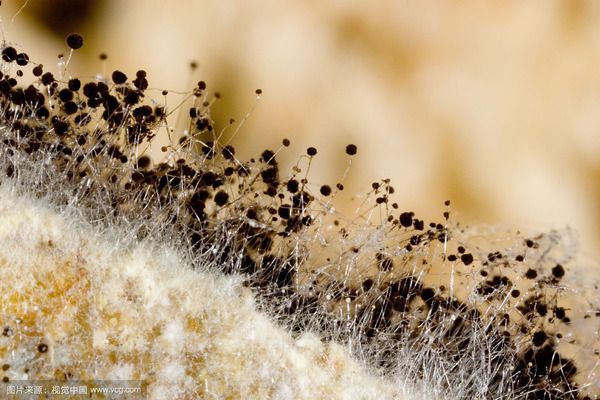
point(212, 277)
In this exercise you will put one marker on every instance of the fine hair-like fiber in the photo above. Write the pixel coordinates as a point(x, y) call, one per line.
point(208, 276)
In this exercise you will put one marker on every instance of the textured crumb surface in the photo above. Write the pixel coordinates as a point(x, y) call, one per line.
point(218, 276)
point(75, 305)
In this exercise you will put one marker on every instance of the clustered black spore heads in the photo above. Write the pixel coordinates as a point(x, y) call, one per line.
point(248, 220)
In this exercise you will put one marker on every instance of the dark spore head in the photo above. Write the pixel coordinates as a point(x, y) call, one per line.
point(531, 274)
point(9, 54)
point(74, 84)
point(558, 271)
point(22, 59)
point(70, 107)
point(221, 198)
point(119, 77)
point(74, 41)
point(47, 78)
point(325, 190)
point(268, 156)
point(143, 162)
point(406, 219)
point(38, 70)
point(539, 338)
point(293, 186)
point(467, 259)
point(351, 149)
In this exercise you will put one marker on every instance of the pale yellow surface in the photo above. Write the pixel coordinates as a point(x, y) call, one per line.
point(491, 104)
point(116, 311)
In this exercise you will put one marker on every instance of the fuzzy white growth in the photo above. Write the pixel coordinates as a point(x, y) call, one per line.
point(209, 277)
point(137, 311)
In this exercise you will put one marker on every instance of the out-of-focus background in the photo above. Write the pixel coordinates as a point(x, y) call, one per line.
point(494, 105)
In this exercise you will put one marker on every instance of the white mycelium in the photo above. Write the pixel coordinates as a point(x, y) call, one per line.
point(207, 276)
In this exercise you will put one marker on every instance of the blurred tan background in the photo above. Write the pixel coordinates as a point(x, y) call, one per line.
point(494, 105)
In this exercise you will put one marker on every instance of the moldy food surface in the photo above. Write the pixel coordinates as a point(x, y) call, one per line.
point(437, 308)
